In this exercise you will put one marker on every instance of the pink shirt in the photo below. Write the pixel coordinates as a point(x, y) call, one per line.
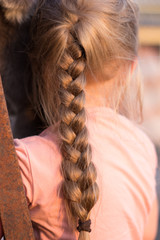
point(126, 161)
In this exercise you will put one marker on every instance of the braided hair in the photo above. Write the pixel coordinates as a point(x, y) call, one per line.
point(73, 38)
point(79, 187)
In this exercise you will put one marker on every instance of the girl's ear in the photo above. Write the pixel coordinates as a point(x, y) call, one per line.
point(134, 65)
point(17, 11)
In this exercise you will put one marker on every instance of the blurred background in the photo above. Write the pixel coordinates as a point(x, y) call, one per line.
point(149, 60)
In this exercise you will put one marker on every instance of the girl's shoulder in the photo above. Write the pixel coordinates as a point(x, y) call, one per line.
point(115, 129)
point(39, 160)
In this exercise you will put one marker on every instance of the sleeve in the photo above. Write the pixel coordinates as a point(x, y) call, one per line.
point(25, 169)
point(151, 156)
point(153, 161)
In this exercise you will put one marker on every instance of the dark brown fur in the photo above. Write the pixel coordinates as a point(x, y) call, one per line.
point(17, 11)
point(16, 72)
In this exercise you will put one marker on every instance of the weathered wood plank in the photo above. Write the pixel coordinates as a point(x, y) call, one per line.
point(13, 206)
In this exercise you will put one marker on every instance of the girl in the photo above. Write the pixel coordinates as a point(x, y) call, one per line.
point(91, 164)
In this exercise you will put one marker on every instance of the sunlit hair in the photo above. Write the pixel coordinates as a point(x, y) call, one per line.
point(73, 39)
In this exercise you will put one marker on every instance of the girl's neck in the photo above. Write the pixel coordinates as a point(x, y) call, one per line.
point(97, 94)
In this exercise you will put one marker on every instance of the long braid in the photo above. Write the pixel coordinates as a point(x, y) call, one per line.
point(79, 187)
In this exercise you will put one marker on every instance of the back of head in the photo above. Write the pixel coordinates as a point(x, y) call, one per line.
point(74, 39)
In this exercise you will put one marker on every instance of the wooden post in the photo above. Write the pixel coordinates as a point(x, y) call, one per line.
point(14, 212)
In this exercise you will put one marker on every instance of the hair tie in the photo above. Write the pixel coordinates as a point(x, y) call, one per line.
point(84, 226)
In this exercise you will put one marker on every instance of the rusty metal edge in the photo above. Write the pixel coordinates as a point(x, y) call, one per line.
point(14, 211)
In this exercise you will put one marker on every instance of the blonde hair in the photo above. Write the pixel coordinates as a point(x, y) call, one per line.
point(71, 39)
